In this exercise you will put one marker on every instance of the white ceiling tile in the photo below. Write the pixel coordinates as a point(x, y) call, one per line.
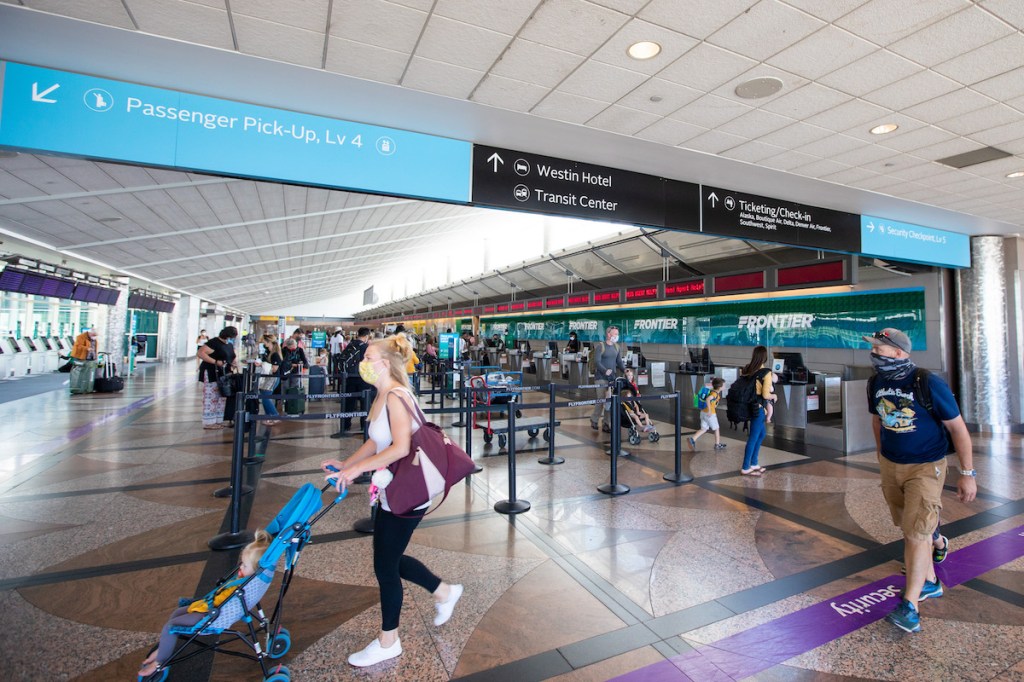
point(1008, 137)
point(562, 106)
point(829, 11)
point(982, 119)
point(1007, 86)
point(673, 45)
point(506, 16)
point(461, 44)
point(985, 62)
point(755, 123)
point(951, 104)
point(877, 183)
point(572, 25)
point(847, 115)
point(795, 135)
point(279, 42)
point(669, 95)
point(1011, 11)
point(440, 78)
point(707, 67)
point(920, 87)
point(832, 147)
point(422, 5)
point(848, 176)
point(886, 21)
point(535, 63)
point(819, 168)
point(868, 156)
point(627, 6)
point(918, 170)
point(601, 81)
point(916, 139)
point(766, 29)
point(308, 14)
point(109, 12)
point(806, 101)
point(670, 132)
point(714, 142)
point(710, 111)
point(184, 21)
point(365, 61)
point(788, 160)
point(752, 152)
point(876, 70)
point(697, 18)
point(377, 22)
point(962, 32)
point(822, 52)
point(507, 93)
point(622, 120)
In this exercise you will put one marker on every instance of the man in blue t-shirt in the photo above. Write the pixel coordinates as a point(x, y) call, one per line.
point(912, 447)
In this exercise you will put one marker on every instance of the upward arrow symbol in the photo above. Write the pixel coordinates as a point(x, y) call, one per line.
point(496, 160)
point(713, 198)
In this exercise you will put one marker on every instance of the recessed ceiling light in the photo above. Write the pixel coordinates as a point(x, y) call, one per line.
point(645, 49)
point(756, 88)
point(1016, 174)
point(884, 128)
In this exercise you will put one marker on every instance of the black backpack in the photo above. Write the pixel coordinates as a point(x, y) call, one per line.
point(741, 399)
point(351, 357)
point(922, 396)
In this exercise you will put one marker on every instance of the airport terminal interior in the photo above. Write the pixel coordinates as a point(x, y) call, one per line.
point(516, 184)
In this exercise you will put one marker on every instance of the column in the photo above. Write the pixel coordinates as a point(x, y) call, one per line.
point(989, 296)
point(113, 339)
point(172, 326)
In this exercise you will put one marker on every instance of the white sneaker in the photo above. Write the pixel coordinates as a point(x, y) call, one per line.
point(374, 653)
point(445, 609)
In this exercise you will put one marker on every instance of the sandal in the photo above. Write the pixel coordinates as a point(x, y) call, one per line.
point(213, 427)
point(750, 472)
point(761, 469)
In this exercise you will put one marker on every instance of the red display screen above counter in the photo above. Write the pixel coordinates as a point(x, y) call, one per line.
point(603, 297)
point(518, 305)
point(642, 294)
point(536, 305)
point(577, 300)
point(684, 289)
point(554, 302)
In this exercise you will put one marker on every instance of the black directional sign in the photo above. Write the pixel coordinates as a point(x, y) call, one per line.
point(728, 213)
point(542, 184)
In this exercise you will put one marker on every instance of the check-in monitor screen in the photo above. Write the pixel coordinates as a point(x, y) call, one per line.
point(13, 345)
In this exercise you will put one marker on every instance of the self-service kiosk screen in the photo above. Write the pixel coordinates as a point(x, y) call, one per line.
point(12, 344)
point(30, 343)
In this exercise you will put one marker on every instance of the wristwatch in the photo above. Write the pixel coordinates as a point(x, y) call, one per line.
point(969, 472)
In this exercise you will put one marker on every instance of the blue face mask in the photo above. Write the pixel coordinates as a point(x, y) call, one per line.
point(892, 369)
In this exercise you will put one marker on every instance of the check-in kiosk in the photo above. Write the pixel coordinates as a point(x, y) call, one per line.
point(515, 357)
point(19, 356)
point(493, 354)
point(50, 354)
point(5, 361)
point(36, 355)
point(60, 345)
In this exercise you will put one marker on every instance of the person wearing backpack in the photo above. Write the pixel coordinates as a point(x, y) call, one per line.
point(745, 402)
point(912, 411)
point(706, 401)
point(350, 359)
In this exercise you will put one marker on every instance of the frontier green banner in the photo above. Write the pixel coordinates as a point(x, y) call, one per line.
point(828, 321)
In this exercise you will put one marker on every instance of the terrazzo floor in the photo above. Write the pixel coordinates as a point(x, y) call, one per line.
point(106, 506)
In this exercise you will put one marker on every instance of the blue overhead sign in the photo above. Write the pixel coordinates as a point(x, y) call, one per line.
point(74, 114)
point(907, 242)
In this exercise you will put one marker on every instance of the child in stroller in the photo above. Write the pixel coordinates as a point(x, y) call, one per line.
point(190, 615)
point(634, 417)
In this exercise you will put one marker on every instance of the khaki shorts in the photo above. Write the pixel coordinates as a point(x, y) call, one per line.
point(709, 421)
point(914, 495)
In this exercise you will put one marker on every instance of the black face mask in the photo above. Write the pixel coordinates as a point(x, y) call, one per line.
point(892, 369)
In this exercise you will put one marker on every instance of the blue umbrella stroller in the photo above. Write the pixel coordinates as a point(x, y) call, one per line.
point(291, 532)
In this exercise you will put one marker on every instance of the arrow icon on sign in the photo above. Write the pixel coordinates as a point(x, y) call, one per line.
point(495, 159)
point(871, 227)
point(713, 198)
point(41, 96)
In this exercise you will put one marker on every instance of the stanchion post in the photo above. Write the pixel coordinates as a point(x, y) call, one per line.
point(235, 537)
point(511, 505)
point(365, 525)
point(613, 487)
point(462, 403)
point(367, 393)
point(678, 476)
point(551, 459)
point(237, 448)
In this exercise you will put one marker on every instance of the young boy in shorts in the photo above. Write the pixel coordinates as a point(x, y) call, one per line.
point(709, 418)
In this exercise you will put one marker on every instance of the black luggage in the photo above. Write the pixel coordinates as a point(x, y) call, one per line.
point(109, 381)
point(297, 404)
point(317, 380)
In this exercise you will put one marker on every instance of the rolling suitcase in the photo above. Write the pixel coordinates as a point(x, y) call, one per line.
point(317, 380)
point(109, 381)
point(296, 404)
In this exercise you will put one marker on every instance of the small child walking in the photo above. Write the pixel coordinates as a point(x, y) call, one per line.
point(708, 416)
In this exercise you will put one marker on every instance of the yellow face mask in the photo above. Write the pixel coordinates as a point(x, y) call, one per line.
point(368, 371)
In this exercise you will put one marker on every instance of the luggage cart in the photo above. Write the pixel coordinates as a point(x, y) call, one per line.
point(496, 401)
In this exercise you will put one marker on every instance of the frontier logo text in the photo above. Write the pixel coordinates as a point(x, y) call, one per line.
point(753, 323)
point(661, 324)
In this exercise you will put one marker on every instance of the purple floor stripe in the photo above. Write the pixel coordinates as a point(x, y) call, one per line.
point(87, 428)
point(804, 630)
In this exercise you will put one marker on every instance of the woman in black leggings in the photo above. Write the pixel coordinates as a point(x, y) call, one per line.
point(390, 429)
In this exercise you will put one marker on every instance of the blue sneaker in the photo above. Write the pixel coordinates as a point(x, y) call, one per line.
point(905, 617)
point(693, 444)
point(931, 590)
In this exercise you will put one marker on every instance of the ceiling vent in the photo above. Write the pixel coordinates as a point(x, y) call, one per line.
point(974, 158)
